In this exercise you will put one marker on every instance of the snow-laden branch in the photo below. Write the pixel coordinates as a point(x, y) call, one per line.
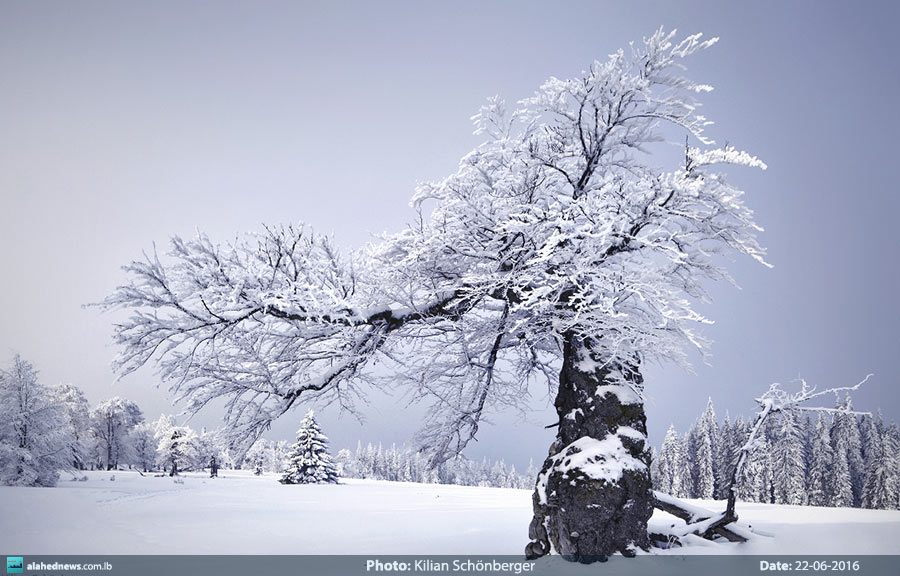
point(558, 227)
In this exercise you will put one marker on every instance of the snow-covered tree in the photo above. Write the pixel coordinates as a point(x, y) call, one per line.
point(726, 457)
point(838, 484)
point(755, 481)
point(844, 442)
point(666, 462)
point(702, 454)
point(821, 458)
point(892, 446)
point(163, 424)
point(277, 455)
point(309, 461)
point(788, 474)
point(709, 423)
point(143, 443)
point(35, 440)
point(111, 422)
point(255, 458)
point(74, 404)
point(846, 432)
point(177, 449)
point(208, 449)
point(344, 465)
point(881, 466)
point(682, 484)
point(560, 248)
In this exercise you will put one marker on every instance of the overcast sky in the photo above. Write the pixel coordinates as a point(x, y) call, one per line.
point(122, 124)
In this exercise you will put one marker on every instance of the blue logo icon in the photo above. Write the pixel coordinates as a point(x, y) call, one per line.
point(14, 564)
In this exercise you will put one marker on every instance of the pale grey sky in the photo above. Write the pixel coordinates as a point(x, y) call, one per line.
point(124, 123)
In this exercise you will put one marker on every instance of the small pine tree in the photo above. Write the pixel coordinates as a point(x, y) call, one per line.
point(309, 461)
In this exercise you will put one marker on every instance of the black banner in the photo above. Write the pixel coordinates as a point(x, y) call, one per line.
point(444, 565)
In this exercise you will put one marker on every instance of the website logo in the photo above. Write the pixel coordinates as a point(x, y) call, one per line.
point(14, 564)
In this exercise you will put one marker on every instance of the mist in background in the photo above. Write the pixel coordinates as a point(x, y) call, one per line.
point(124, 124)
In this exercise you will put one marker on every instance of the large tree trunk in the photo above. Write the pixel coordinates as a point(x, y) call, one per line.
point(593, 495)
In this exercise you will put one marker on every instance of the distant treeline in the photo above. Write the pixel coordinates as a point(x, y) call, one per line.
point(828, 459)
point(407, 465)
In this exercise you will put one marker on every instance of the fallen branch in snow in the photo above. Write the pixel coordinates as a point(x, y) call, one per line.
point(708, 525)
point(698, 521)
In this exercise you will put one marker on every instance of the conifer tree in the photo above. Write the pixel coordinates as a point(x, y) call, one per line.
point(667, 462)
point(754, 484)
point(710, 428)
point(817, 484)
point(881, 472)
point(808, 432)
point(854, 451)
point(701, 460)
point(682, 487)
point(839, 490)
point(892, 447)
point(788, 460)
point(727, 456)
point(309, 461)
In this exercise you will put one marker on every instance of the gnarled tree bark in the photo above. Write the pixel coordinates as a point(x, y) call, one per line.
point(593, 495)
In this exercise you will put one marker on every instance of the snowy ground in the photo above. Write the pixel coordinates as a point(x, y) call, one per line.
point(242, 514)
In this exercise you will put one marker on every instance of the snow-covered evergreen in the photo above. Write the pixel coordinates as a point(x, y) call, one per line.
point(840, 480)
point(309, 461)
point(849, 426)
point(881, 466)
point(665, 462)
point(794, 460)
point(702, 454)
point(682, 484)
point(788, 462)
point(821, 457)
point(729, 444)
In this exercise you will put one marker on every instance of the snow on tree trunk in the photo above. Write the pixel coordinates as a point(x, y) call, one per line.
point(309, 461)
point(593, 495)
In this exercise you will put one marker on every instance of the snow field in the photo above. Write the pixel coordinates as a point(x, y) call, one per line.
point(239, 513)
